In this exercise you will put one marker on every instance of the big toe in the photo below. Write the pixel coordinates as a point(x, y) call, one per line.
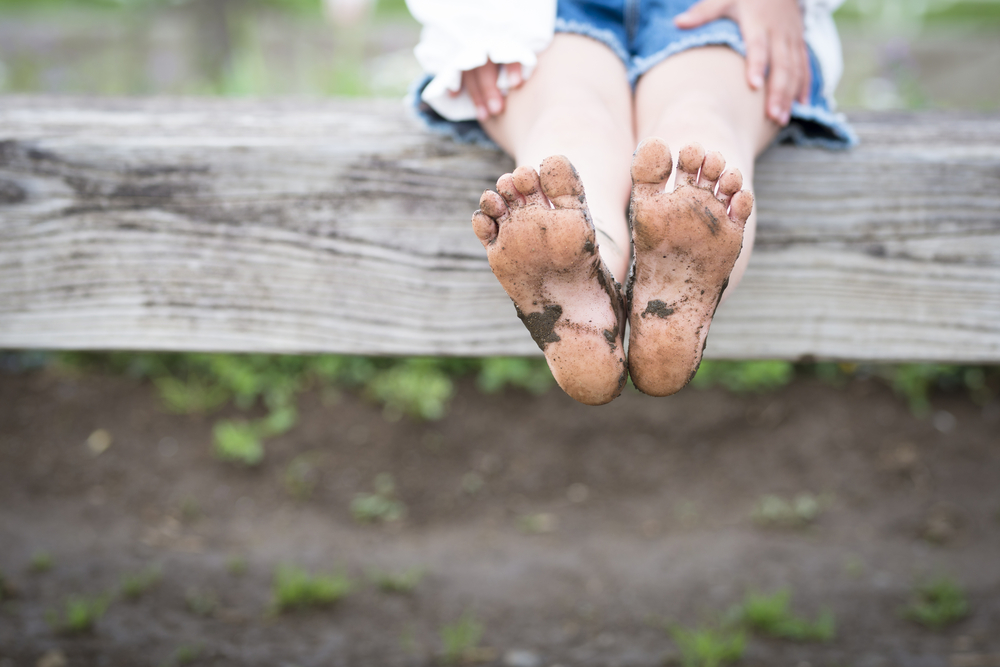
point(561, 183)
point(651, 165)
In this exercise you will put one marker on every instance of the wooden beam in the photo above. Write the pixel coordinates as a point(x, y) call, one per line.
point(341, 226)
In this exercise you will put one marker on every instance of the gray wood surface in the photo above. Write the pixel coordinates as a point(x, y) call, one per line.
point(341, 226)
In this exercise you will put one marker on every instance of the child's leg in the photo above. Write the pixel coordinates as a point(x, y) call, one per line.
point(688, 239)
point(538, 233)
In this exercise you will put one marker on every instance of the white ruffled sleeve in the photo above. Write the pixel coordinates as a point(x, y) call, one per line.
point(821, 35)
point(460, 35)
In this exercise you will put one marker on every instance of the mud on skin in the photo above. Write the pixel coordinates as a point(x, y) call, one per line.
point(686, 244)
point(542, 247)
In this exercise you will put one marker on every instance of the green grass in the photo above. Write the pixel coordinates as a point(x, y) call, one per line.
point(404, 581)
point(79, 614)
point(134, 585)
point(937, 603)
point(459, 640)
point(41, 562)
point(769, 615)
point(295, 588)
point(381, 506)
point(201, 602)
point(773, 511)
point(708, 647)
point(185, 654)
point(237, 566)
point(744, 376)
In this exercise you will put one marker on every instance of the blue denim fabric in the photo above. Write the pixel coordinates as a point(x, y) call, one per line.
point(642, 33)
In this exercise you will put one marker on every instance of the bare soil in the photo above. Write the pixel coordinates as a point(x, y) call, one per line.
point(573, 534)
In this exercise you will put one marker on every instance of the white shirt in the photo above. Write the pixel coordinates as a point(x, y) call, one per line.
point(460, 35)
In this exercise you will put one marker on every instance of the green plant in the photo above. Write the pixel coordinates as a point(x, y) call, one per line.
point(79, 613)
point(201, 602)
point(238, 441)
point(404, 581)
point(41, 562)
point(380, 506)
point(744, 376)
point(460, 639)
point(417, 387)
point(937, 603)
point(296, 588)
point(774, 511)
point(134, 585)
point(707, 647)
point(530, 374)
point(237, 566)
point(186, 653)
point(769, 615)
point(301, 477)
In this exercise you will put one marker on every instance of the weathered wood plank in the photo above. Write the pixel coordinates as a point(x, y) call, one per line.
point(302, 226)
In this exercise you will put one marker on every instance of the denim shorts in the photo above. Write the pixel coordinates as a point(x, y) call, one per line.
point(642, 34)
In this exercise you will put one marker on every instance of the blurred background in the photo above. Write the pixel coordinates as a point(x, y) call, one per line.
point(222, 509)
point(898, 53)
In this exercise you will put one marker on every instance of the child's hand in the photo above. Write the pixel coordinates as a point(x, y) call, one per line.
point(772, 30)
point(481, 83)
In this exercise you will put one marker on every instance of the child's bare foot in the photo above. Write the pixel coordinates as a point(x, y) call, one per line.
point(686, 243)
point(541, 245)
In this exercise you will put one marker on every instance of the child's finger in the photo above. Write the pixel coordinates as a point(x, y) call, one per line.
point(806, 88)
point(757, 54)
point(703, 12)
point(487, 77)
point(514, 75)
point(471, 83)
point(782, 83)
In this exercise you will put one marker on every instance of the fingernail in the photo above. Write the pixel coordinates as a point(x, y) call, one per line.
point(680, 18)
point(776, 112)
point(515, 79)
point(496, 106)
point(482, 113)
point(756, 81)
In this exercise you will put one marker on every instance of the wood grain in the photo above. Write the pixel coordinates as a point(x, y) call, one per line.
point(341, 226)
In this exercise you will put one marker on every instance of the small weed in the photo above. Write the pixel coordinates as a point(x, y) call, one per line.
point(461, 639)
point(381, 506)
point(769, 615)
point(301, 477)
point(530, 374)
point(41, 562)
point(7, 589)
point(538, 524)
point(397, 582)
point(133, 586)
point(296, 588)
point(186, 653)
point(706, 647)
point(937, 603)
point(190, 509)
point(417, 387)
point(238, 441)
point(201, 602)
point(775, 512)
point(744, 376)
point(237, 566)
point(192, 396)
point(79, 614)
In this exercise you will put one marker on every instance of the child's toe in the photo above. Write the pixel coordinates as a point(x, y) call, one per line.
point(689, 162)
point(509, 192)
point(651, 166)
point(711, 169)
point(561, 183)
point(527, 183)
point(739, 209)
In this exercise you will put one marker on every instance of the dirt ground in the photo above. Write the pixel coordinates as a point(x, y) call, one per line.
point(575, 535)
